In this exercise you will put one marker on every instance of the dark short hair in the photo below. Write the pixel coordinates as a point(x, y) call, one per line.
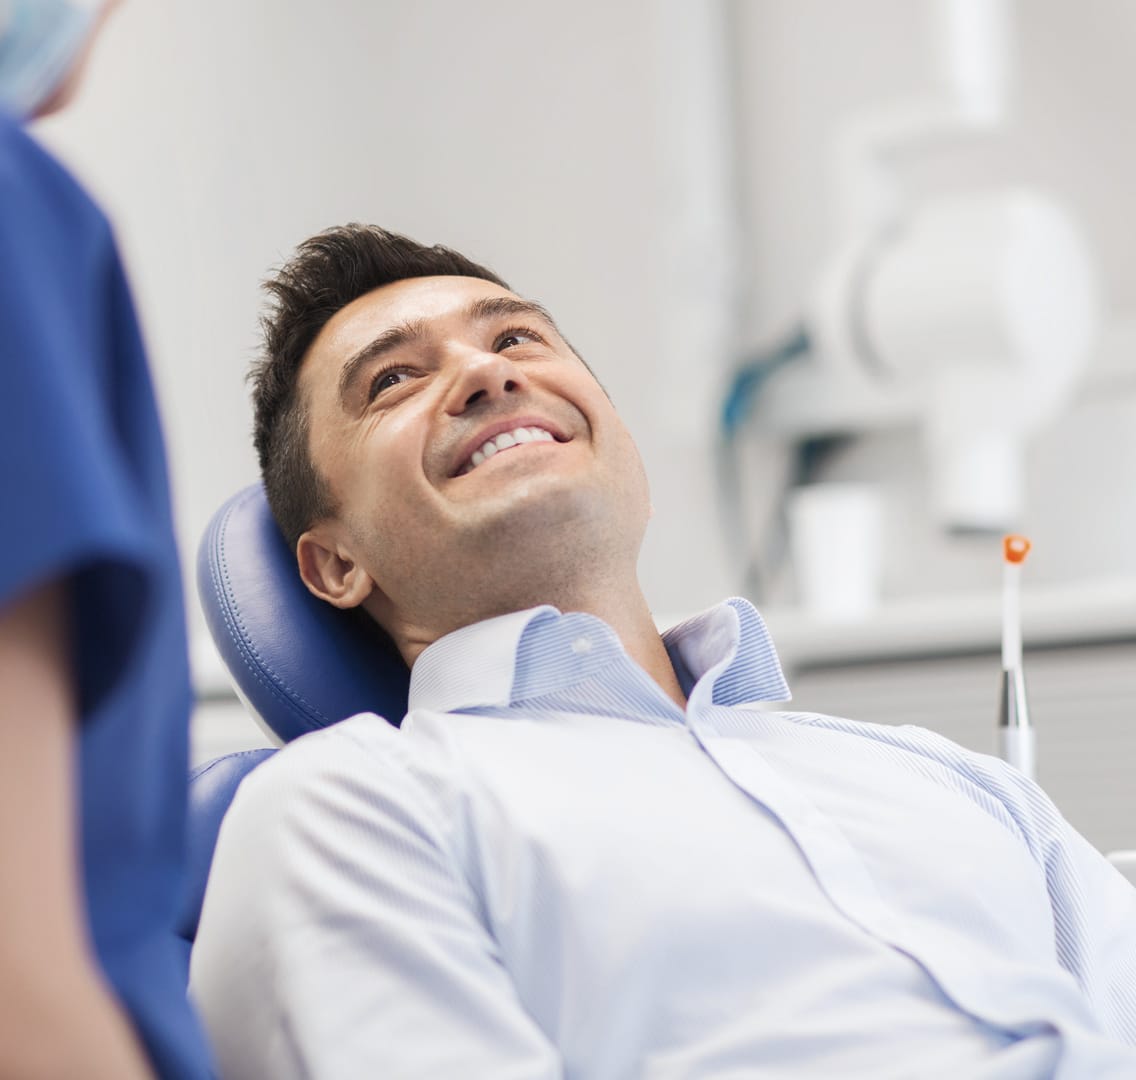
point(325, 274)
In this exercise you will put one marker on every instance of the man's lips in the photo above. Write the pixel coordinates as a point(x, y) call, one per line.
point(466, 461)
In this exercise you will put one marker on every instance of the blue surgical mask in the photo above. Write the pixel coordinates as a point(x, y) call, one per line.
point(40, 40)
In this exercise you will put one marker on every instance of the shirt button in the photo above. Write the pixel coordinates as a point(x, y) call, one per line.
point(581, 645)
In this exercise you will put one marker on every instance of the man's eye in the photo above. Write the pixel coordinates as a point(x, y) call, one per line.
point(512, 338)
point(384, 380)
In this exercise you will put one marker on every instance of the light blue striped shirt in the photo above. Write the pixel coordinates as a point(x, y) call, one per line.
point(555, 871)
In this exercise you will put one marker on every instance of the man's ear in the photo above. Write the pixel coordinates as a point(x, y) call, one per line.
point(330, 572)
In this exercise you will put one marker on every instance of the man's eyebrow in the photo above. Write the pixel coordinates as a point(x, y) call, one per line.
point(395, 337)
point(392, 338)
point(497, 307)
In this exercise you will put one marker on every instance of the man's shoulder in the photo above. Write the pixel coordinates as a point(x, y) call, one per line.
point(361, 767)
point(339, 748)
point(907, 735)
point(986, 780)
point(909, 740)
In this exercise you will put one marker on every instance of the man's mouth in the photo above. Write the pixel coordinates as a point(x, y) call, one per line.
point(506, 440)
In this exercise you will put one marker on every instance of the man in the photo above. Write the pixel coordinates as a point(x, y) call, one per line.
point(590, 851)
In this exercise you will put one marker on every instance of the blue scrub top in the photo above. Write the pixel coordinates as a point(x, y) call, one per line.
point(85, 498)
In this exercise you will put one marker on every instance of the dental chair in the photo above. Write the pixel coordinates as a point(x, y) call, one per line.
point(298, 664)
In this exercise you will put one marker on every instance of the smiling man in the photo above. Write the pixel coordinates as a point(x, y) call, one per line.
point(591, 850)
point(476, 466)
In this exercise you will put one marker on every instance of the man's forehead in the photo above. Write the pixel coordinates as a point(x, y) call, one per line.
point(412, 300)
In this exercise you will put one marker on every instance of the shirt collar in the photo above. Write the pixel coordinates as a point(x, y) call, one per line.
point(474, 665)
point(723, 656)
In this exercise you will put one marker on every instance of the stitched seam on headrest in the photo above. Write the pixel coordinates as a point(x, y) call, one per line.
point(208, 766)
point(260, 671)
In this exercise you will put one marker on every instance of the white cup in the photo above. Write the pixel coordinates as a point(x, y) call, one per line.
point(836, 540)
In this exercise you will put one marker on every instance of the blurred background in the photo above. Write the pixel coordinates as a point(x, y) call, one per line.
point(812, 194)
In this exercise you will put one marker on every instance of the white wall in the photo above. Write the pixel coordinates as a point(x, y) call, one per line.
point(219, 134)
point(534, 136)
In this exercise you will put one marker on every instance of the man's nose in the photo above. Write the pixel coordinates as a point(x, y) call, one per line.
point(481, 377)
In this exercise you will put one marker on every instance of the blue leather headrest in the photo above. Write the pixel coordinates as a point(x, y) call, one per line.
point(299, 663)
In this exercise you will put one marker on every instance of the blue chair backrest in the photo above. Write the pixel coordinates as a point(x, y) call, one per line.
point(298, 663)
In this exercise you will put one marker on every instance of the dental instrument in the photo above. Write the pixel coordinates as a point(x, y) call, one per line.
point(1016, 736)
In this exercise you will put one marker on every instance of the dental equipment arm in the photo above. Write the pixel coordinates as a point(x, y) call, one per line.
point(972, 314)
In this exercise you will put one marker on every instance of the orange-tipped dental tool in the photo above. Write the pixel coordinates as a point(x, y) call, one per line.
point(1016, 736)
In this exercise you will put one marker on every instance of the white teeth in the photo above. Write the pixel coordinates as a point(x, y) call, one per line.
point(506, 440)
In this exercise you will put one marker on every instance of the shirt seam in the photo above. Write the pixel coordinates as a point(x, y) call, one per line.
point(819, 720)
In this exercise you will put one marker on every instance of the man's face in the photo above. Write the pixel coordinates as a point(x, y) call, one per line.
point(470, 452)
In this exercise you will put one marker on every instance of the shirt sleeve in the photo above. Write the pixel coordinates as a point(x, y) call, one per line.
point(339, 937)
point(70, 365)
point(1094, 905)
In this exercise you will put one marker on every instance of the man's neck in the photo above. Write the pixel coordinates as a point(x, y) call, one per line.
point(634, 625)
point(625, 611)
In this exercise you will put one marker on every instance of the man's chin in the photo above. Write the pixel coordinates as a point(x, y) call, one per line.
point(527, 513)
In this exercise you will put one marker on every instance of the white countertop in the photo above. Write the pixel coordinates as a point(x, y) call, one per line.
point(1067, 614)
